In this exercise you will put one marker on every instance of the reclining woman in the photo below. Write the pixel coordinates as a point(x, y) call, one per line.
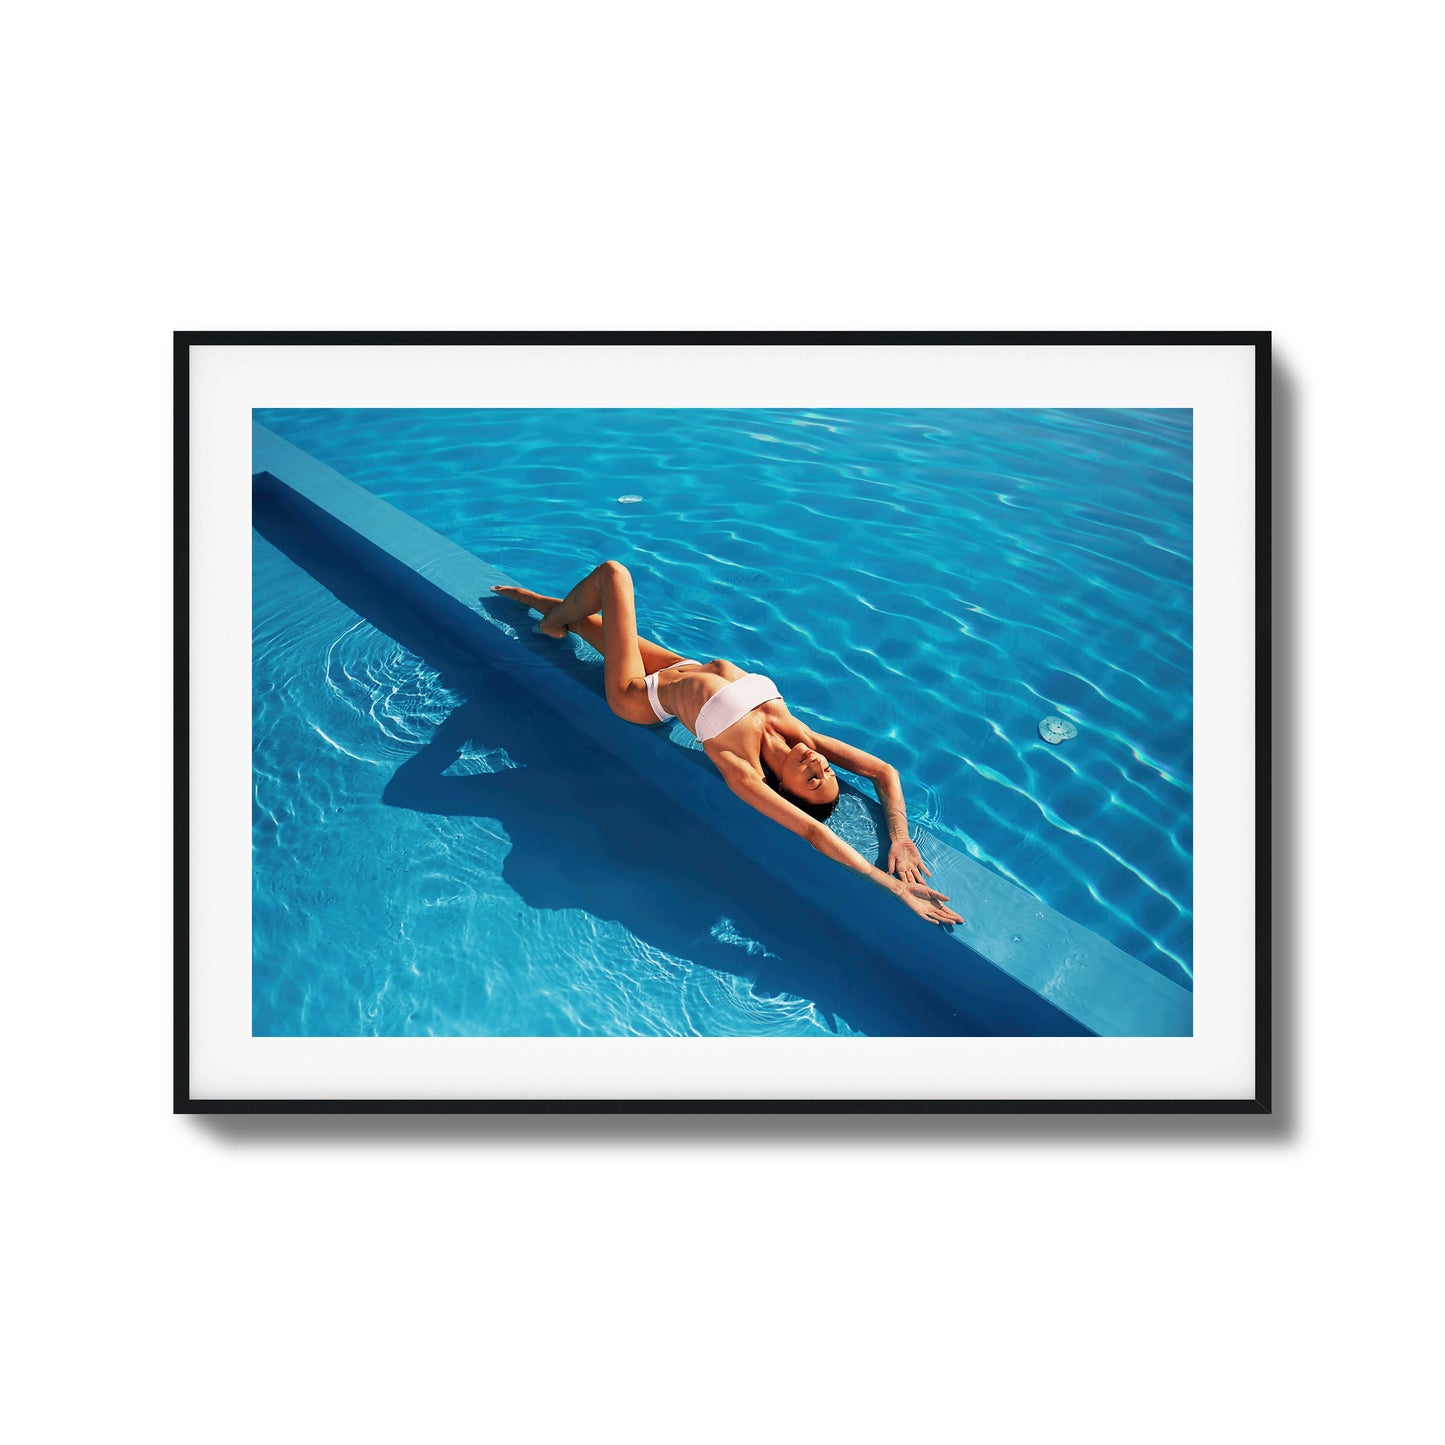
point(768, 757)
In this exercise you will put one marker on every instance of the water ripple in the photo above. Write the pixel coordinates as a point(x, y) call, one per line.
point(926, 584)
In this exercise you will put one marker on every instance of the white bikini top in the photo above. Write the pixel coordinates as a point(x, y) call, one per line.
point(736, 700)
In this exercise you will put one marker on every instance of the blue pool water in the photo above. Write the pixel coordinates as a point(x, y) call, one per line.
point(928, 585)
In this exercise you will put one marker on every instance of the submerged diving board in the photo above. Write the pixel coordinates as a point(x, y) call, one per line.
point(1015, 967)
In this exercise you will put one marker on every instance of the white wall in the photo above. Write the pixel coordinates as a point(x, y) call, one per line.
point(1129, 166)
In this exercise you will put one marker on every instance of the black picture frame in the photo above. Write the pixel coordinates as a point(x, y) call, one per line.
point(1256, 1099)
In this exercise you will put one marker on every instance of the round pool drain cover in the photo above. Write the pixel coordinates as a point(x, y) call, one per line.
point(629, 498)
point(1057, 729)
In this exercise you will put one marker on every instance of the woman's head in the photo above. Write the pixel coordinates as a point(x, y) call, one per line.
point(806, 779)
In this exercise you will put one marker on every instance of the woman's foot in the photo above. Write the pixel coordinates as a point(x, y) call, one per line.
point(525, 597)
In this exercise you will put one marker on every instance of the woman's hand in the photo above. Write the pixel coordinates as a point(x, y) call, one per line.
point(927, 903)
point(905, 860)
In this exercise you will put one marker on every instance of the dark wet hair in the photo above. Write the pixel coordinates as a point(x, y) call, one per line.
point(820, 811)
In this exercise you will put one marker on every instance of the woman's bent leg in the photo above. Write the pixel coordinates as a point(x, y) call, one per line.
point(608, 589)
point(589, 629)
point(583, 600)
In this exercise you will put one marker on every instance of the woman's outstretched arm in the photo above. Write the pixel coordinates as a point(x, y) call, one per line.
point(924, 901)
point(904, 858)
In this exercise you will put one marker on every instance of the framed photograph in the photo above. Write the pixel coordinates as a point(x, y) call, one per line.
point(722, 722)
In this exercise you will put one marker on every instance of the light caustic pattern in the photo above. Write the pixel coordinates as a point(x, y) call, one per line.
point(928, 585)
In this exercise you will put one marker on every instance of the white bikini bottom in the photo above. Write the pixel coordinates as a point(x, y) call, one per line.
point(651, 679)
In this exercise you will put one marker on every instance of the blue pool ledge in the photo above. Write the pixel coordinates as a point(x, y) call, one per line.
point(1016, 967)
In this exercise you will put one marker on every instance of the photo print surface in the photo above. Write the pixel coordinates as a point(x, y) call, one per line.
point(455, 833)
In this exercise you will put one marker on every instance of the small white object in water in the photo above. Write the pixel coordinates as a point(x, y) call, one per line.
point(1057, 729)
point(629, 498)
